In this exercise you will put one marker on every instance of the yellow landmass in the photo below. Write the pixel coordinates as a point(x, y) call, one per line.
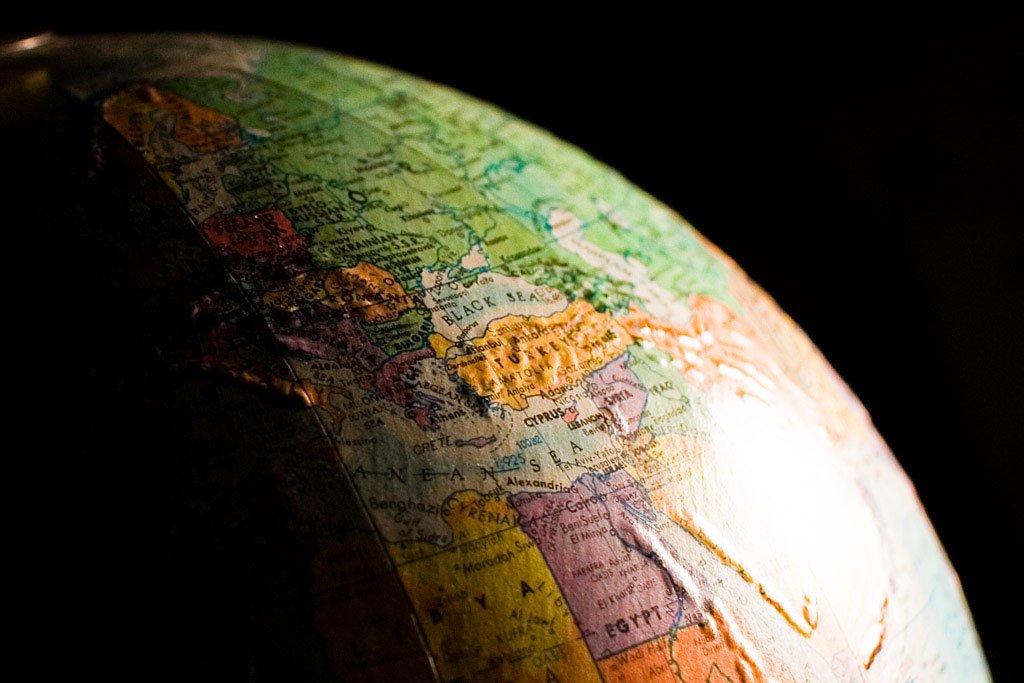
point(473, 516)
point(371, 293)
point(199, 128)
point(489, 606)
point(129, 113)
point(440, 344)
point(520, 356)
point(470, 515)
point(410, 551)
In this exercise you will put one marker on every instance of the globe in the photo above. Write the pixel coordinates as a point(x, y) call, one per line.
point(429, 394)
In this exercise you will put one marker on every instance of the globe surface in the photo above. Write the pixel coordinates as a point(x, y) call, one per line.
point(453, 400)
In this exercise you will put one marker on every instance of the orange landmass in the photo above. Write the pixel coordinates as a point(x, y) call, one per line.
point(369, 292)
point(715, 350)
point(836, 407)
point(773, 452)
point(696, 653)
point(129, 114)
point(199, 128)
point(520, 356)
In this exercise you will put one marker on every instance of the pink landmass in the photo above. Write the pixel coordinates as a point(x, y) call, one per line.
point(619, 395)
point(325, 335)
point(595, 537)
point(395, 381)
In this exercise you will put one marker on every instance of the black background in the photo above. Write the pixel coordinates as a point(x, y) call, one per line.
point(866, 170)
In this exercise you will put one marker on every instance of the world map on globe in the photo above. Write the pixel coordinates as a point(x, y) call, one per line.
point(539, 428)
